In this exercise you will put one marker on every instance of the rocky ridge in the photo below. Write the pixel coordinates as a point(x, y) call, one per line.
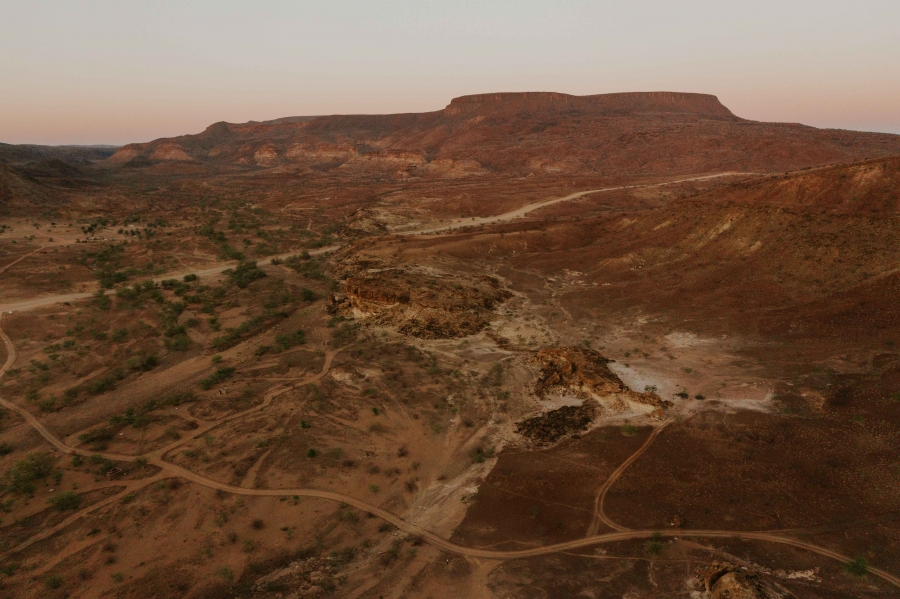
point(531, 133)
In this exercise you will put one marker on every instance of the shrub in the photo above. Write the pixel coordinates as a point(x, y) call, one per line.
point(858, 566)
point(98, 438)
point(308, 295)
point(31, 468)
point(311, 453)
point(105, 383)
point(245, 273)
point(66, 501)
point(189, 278)
point(289, 340)
point(54, 581)
point(175, 331)
point(144, 363)
point(655, 545)
point(479, 454)
point(217, 377)
point(178, 343)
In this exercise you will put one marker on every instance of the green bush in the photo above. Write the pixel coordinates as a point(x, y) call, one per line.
point(178, 343)
point(308, 295)
point(144, 363)
point(24, 473)
point(66, 501)
point(54, 581)
point(245, 273)
point(858, 566)
point(217, 377)
point(655, 545)
point(289, 340)
point(105, 383)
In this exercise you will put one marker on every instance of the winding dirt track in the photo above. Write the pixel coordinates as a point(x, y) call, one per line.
point(168, 469)
point(599, 514)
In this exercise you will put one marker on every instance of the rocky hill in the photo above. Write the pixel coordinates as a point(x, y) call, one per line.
point(534, 133)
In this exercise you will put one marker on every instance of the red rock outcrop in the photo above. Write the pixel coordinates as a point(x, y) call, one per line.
point(422, 304)
point(584, 373)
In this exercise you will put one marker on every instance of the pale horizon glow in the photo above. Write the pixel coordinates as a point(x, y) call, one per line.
point(113, 72)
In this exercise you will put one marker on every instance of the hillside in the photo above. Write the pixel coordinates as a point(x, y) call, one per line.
point(537, 133)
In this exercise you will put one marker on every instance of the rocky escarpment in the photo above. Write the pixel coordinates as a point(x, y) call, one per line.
point(584, 373)
point(421, 303)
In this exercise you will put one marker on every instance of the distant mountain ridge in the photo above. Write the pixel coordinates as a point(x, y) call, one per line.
point(72, 155)
point(530, 133)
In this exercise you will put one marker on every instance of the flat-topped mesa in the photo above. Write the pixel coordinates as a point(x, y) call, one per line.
point(620, 104)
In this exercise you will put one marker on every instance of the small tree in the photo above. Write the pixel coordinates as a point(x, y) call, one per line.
point(654, 546)
point(858, 566)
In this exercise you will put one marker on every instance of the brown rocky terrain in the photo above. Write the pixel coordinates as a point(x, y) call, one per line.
point(518, 347)
point(425, 304)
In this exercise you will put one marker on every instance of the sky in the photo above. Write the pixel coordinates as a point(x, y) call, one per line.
point(114, 72)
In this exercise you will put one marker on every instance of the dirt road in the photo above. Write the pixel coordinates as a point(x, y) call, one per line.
point(38, 302)
point(30, 304)
point(599, 514)
point(520, 212)
point(169, 469)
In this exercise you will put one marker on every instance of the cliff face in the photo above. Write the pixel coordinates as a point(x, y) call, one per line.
point(519, 134)
point(625, 104)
